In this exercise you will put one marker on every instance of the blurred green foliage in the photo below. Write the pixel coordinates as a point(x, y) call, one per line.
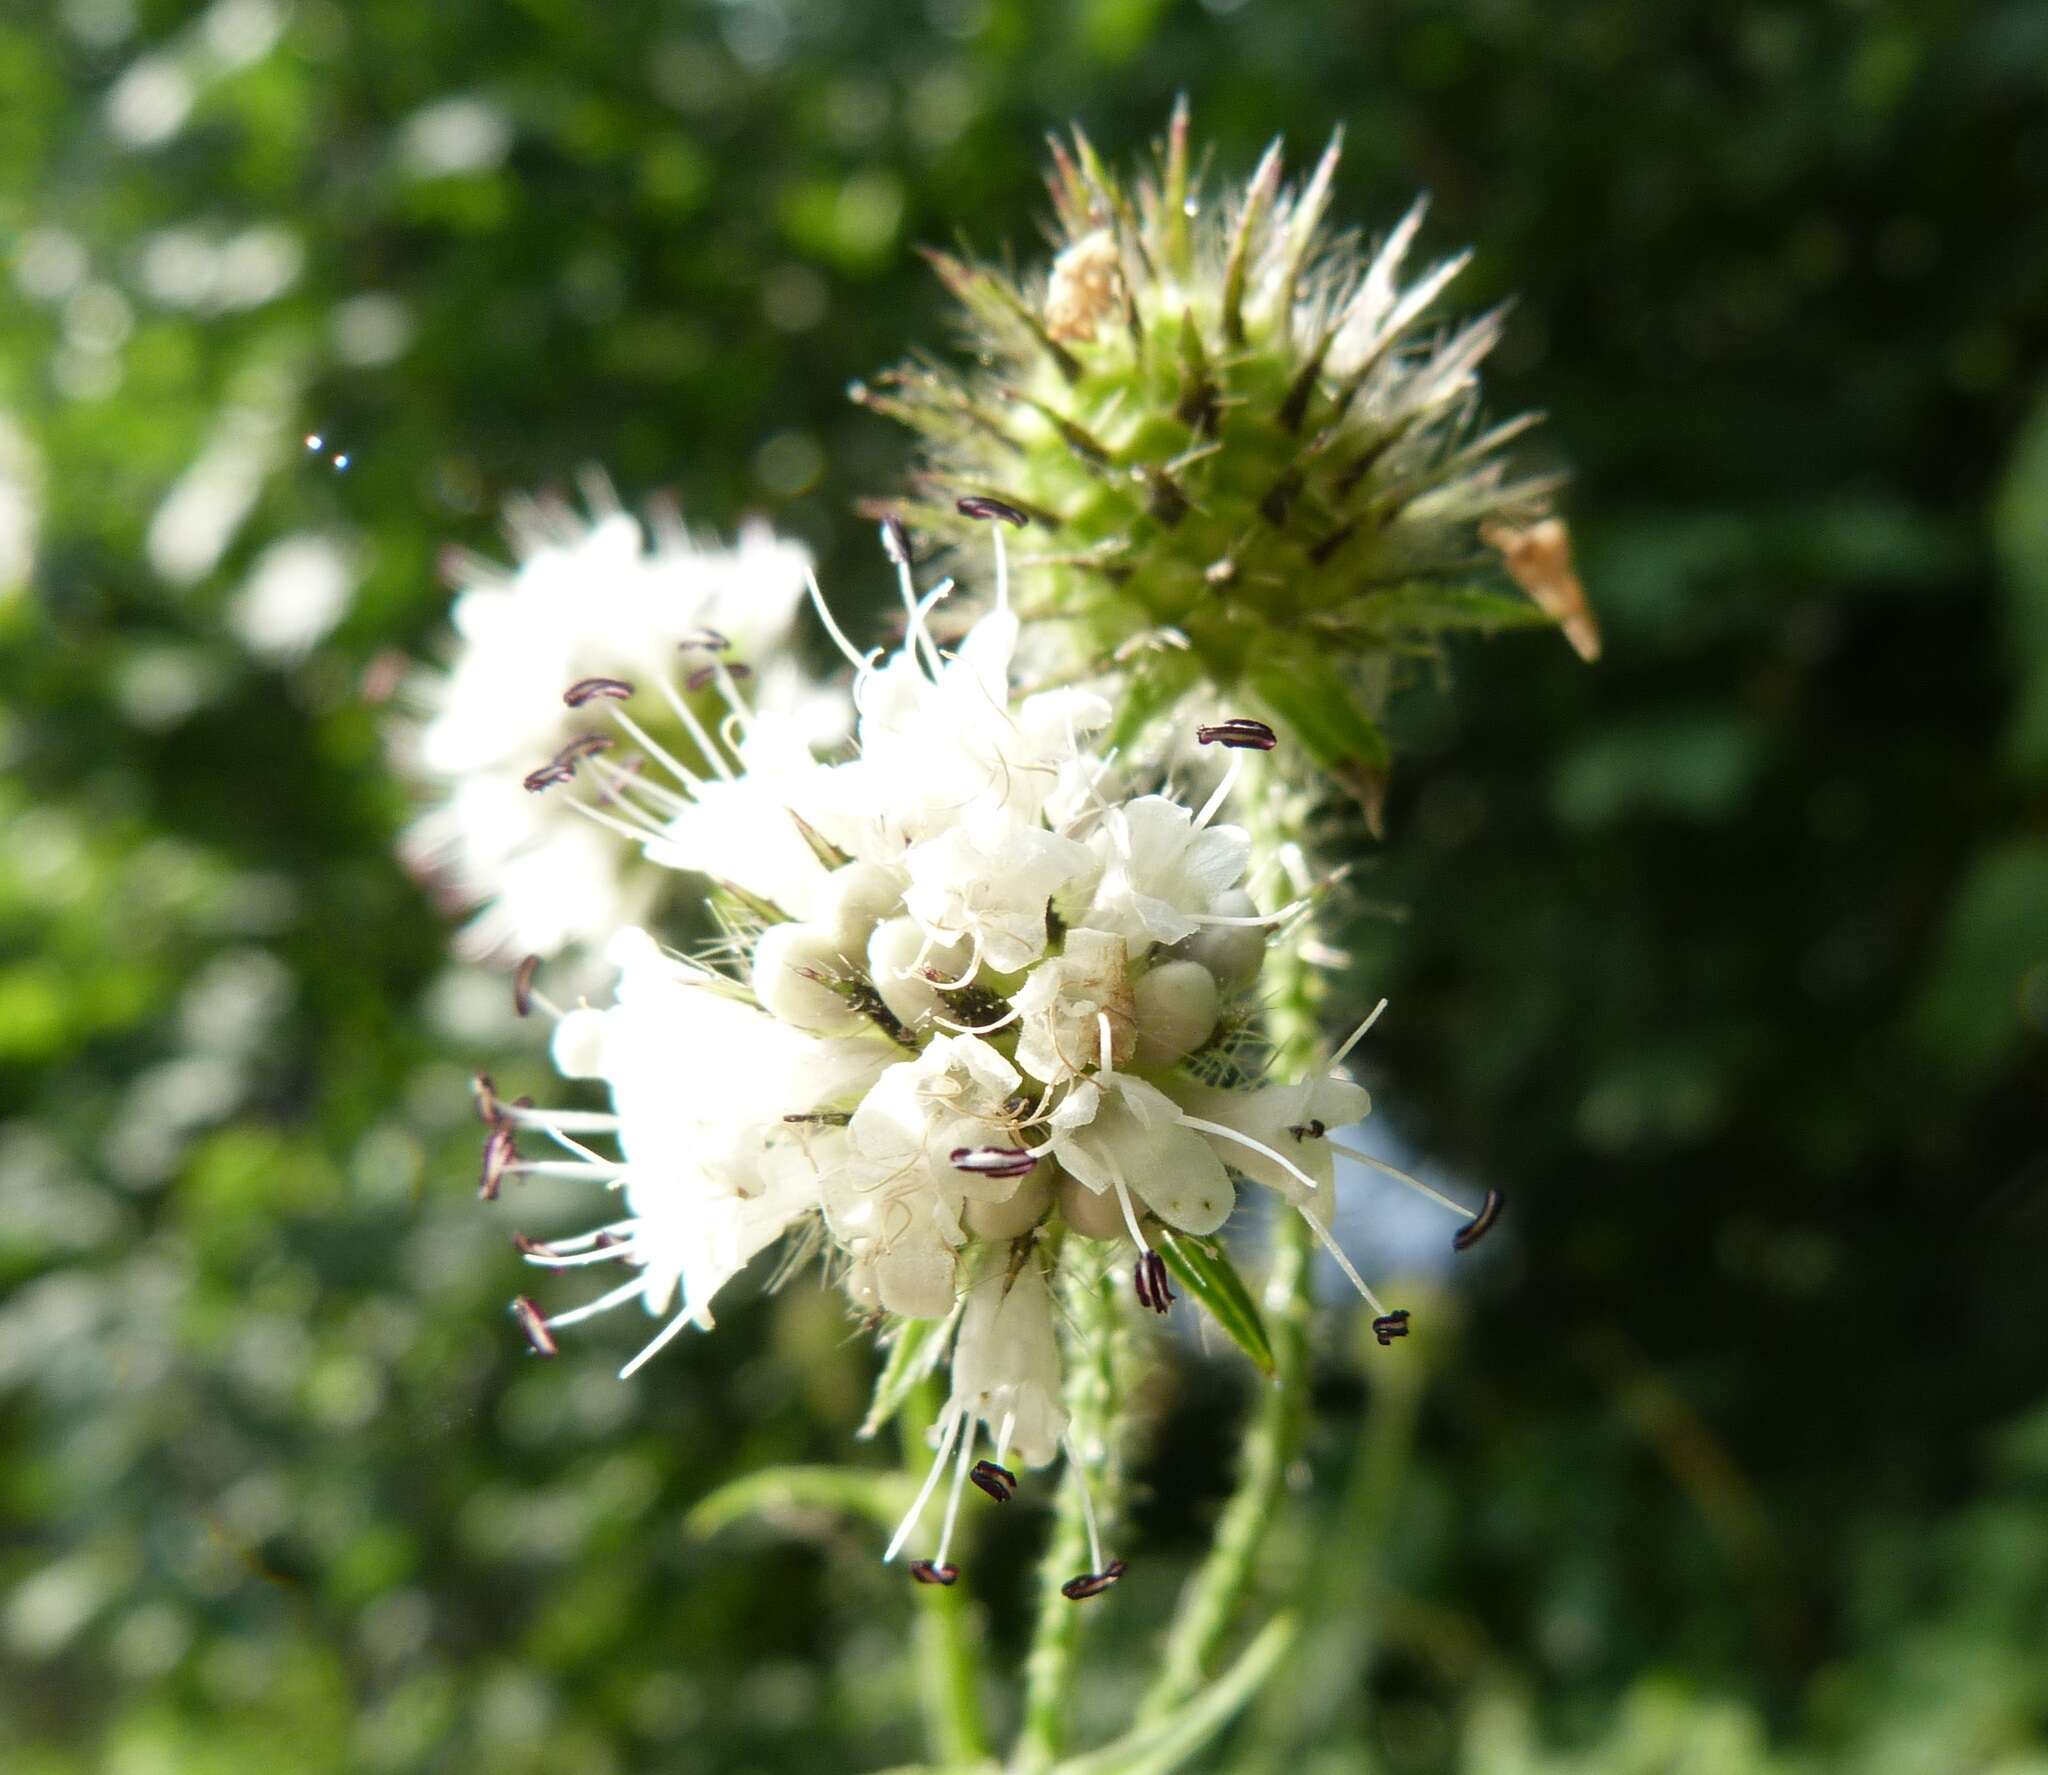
point(1728, 960)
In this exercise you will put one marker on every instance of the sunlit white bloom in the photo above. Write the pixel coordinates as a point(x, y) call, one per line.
point(1163, 869)
point(946, 1025)
point(590, 598)
point(987, 884)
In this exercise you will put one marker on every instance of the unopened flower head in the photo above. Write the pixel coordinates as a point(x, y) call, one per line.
point(978, 1001)
point(1254, 456)
point(594, 606)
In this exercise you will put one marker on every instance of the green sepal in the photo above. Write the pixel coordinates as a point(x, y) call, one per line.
point(1437, 608)
point(1155, 684)
point(1320, 709)
point(790, 1495)
point(912, 1356)
point(1203, 1268)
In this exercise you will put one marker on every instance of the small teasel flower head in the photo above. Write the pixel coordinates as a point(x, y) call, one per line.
point(599, 611)
point(979, 1007)
point(1253, 458)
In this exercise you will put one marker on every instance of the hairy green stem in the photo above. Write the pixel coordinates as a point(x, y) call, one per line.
point(1344, 1585)
point(1279, 1419)
point(1089, 1293)
point(947, 1649)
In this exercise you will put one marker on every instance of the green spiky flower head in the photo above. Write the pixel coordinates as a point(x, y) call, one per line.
point(1252, 459)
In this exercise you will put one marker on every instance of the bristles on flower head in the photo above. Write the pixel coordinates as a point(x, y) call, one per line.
point(1306, 496)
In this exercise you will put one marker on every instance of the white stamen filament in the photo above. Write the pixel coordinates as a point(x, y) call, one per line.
point(1414, 1183)
point(1357, 1035)
point(1248, 919)
point(579, 1241)
point(1222, 791)
point(859, 660)
point(973, 967)
point(574, 1121)
point(916, 636)
point(578, 1170)
point(1258, 1146)
point(664, 1337)
point(1123, 1198)
point(573, 1260)
point(959, 1485)
point(1329, 1243)
point(979, 1028)
point(1080, 1473)
point(660, 753)
point(908, 1526)
point(636, 835)
point(699, 736)
point(603, 1304)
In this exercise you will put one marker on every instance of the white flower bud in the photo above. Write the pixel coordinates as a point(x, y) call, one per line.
point(893, 966)
point(578, 1046)
point(1232, 952)
point(1177, 1006)
point(855, 899)
point(1093, 1214)
point(787, 962)
point(1011, 1219)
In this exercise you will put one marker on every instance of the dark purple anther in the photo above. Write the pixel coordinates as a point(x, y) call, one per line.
point(1148, 1282)
point(588, 689)
point(977, 505)
point(999, 1482)
point(703, 641)
point(1481, 1223)
point(522, 984)
point(895, 540)
point(501, 1153)
point(926, 1573)
point(1240, 731)
point(486, 1099)
point(704, 675)
point(993, 1161)
point(1391, 1326)
point(561, 767)
point(534, 1323)
point(1092, 1583)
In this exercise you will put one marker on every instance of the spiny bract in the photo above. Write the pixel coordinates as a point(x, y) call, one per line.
point(1254, 461)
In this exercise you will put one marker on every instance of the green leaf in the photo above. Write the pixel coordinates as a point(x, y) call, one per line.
point(1987, 988)
point(912, 1356)
point(1164, 1746)
point(1203, 1268)
point(793, 1497)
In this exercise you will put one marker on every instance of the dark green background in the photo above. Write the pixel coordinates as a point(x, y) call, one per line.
point(1728, 959)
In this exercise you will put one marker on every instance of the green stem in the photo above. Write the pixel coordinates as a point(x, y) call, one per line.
point(1093, 1423)
point(1279, 1420)
point(1272, 1440)
point(948, 1658)
point(1343, 1588)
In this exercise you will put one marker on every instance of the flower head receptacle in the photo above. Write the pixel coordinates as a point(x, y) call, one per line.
point(1253, 459)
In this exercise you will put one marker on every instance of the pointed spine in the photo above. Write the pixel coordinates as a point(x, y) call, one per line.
point(1174, 247)
point(977, 290)
point(1258, 203)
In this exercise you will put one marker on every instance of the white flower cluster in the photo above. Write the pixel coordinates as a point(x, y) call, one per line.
point(588, 597)
point(975, 998)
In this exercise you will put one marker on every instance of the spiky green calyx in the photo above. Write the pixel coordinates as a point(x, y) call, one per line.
point(1254, 461)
